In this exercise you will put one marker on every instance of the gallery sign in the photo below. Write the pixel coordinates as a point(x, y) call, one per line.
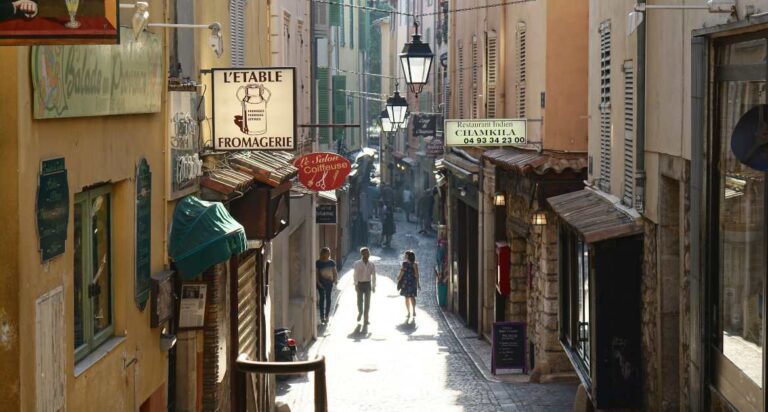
point(322, 171)
point(58, 22)
point(486, 132)
point(254, 108)
point(184, 133)
point(76, 81)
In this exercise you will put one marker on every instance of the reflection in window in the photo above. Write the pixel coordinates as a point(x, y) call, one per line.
point(582, 289)
point(742, 229)
point(93, 273)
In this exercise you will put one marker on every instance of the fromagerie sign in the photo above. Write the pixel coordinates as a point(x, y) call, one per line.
point(485, 132)
point(254, 108)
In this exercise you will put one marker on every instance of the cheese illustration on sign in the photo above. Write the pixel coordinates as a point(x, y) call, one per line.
point(254, 109)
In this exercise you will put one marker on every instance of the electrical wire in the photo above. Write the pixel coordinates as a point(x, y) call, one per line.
point(434, 13)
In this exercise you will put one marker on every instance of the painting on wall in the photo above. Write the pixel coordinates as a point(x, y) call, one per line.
point(24, 22)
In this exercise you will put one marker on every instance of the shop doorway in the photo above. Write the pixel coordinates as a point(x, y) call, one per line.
point(467, 257)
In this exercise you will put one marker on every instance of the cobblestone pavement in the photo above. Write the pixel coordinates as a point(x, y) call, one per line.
point(419, 365)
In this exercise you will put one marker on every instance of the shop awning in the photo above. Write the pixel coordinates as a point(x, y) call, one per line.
point(202, 235)
point(531, 161)
point(593, 216)
point(409, 161)
point(328, 195)
point(460, 167)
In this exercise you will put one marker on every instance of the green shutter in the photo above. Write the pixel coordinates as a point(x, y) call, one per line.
point(335, 14)
point(351, 25)
point(323, 114)
point(339, 104)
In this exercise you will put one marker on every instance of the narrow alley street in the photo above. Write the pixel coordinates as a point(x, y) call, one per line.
point(415, 365)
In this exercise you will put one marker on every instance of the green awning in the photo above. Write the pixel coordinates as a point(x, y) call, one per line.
point(202, 235)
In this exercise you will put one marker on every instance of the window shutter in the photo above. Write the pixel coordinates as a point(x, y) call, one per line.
point(475, 78)
point(237, 32)
point(351, 25)
point(491, 73)
point(629, 134)
point(521, 70)
point(446, 95)
point(335, 14)
point(323, 112)
point(339, 104)
point(605, 106)
point(460, 92)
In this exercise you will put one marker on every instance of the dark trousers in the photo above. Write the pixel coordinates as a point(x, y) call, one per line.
point(324, 295)
point(363, 292)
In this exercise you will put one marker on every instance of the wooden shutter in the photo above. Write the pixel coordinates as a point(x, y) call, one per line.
point(351, 25)
point(460, 92)
point(323, 104)
point(475, 78)
point(522, 86)
point(335, 14)
point(339, 104)
point(50, 381)
point(491, 73)
point(605, 106)
point(629, 134)
point(237, 32)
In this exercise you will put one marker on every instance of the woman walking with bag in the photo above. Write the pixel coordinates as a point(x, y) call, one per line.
point(408, 282)
point(326, 278)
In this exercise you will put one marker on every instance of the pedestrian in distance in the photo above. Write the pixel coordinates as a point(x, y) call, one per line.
point(365, 284)
point(408, 282)
point(327, 276)
point(425, 210)
point(407, 204)
point(388, 227)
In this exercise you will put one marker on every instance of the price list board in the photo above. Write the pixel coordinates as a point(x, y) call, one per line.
point(508, 347)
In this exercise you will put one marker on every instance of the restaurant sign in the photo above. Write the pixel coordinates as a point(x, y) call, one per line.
point(424, 124)
point(322, 171)
point(184, 133)
point(254, 108)
point(435, 147)
point(486, 132)
point(98, 80)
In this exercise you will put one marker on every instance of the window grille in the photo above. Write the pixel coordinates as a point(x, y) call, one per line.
point(521, 70)
point(475, 78)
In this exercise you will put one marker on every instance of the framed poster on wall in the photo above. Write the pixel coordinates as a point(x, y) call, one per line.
point(192, 305)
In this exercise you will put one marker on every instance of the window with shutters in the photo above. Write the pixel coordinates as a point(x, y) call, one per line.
point(460, 92)
point(237, 32)
point(491, 73)
point(475, 78)
point(335, 14)
point(521, 85)
point(339, 104)
point(446, 96)
point(323, 104)
point(342, 36)
point(605, 106)
point(629, 134)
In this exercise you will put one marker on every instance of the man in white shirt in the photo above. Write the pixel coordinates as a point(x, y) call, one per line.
point(365, 283)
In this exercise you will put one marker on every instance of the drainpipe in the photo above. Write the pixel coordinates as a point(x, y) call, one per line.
point(640, 137)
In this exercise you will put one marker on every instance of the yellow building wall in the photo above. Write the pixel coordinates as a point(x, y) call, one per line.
point(10, 389)
point(566, 83)
point(96, 150)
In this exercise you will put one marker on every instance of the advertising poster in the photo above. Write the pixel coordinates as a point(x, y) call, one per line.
point(26, 22)
point(192, 306)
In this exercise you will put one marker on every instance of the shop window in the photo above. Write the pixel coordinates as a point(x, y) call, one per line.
point(576, 298)
point(741, 219)
point(93, 270)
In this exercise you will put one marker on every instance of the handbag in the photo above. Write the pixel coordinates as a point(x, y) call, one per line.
point(400, 283)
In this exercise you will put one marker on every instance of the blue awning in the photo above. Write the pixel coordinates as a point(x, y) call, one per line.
point(202, 235)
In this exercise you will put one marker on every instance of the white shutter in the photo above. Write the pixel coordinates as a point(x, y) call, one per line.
point(460, 92)
point(492, 74)
point(521, 70)
point(475, 78)
point(237, 32)
point(629, 134)
point(605, 106)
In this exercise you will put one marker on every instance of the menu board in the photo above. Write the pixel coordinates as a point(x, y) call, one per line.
point(52, 208)
point(508, 347)
point(325, 214)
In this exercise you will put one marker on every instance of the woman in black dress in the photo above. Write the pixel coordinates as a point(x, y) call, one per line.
point(408, 282)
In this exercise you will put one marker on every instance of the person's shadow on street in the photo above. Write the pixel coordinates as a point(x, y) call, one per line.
point(407, 327)
point(360, 333)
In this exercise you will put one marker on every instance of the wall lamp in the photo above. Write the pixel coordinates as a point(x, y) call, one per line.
point(140, 21)
point(500, 199)
point(635, 17)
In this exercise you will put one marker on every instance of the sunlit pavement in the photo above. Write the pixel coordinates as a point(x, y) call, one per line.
point(399, 365)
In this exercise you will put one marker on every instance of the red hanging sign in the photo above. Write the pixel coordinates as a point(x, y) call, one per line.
point(322, 171)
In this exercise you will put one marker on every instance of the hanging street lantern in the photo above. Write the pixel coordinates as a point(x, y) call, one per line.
point(386, 124)
point(416, 60)
point(397, 108)
point(404, 124)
